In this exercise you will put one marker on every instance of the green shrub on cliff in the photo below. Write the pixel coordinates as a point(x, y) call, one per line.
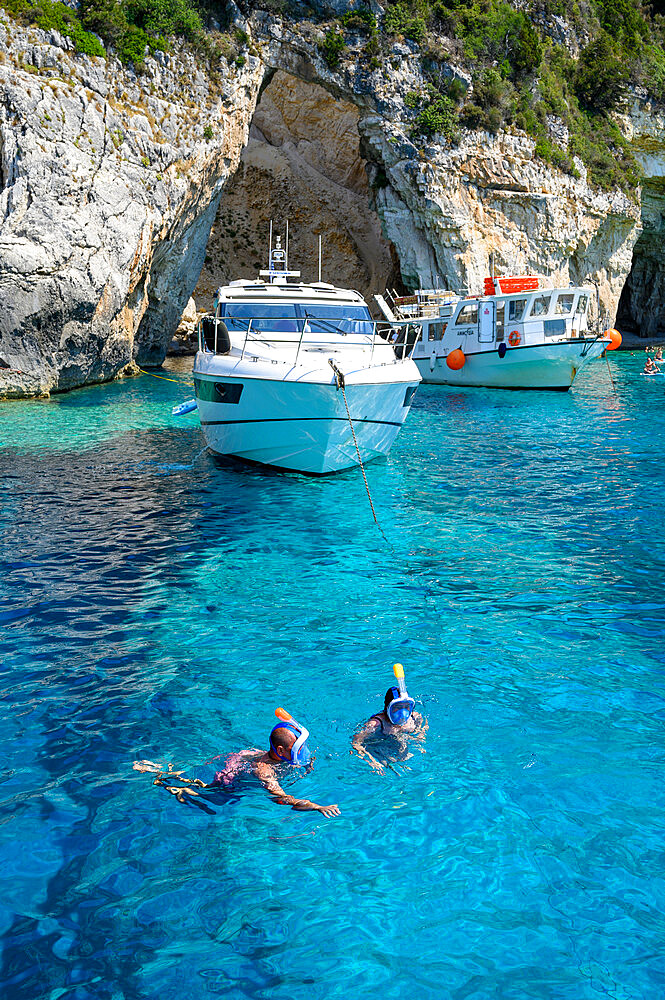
point(332, 47)
point(131, 26)
point(601, 79)
point(437, 116)
point(55, 16)
point(362, 20)
point(408, 18)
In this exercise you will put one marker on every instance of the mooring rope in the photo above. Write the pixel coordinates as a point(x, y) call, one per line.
point(340, 383)
point(164, 379)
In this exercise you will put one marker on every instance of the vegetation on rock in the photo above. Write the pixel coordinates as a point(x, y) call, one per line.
point(55, 17)
point(332, 47)
point(557, 69)
point(523, 76)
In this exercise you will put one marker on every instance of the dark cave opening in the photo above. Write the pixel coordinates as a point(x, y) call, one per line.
point(641, 308)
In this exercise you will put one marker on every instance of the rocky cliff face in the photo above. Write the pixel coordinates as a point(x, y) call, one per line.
point(109, 187)
point(642, 303)
point(110, 183)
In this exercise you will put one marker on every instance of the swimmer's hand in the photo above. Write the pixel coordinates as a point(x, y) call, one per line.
point(306, 805)
point(329, 811)
point(362, 751)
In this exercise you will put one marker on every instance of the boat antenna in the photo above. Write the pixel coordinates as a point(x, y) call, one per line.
point(319, 258)
point(270, 247)
point(286, 262)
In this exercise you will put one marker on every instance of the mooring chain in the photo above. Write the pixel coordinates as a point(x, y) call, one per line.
point(340, 383)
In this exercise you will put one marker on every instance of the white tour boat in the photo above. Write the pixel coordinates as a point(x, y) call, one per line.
point(278, 363)
point(518, 335)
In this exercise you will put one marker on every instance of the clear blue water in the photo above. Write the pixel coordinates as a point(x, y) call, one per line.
point(158, 604)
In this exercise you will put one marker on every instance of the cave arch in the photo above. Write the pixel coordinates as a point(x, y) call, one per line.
point(303, 162)
point(641, 309)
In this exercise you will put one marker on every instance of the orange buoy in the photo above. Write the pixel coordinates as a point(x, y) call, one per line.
point(514, 338)
point(615, 339)
point(456, 359)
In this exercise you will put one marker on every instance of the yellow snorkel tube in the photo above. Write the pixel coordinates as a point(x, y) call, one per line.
point(400, 708)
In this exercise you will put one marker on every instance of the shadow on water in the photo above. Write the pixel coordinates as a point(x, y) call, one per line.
point(90, 536)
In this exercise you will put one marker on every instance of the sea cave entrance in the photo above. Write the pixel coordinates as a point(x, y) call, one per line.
point(641, 307)
point(302, 163)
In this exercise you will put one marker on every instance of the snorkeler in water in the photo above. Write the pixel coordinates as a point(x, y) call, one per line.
point(287, 746)
point(398, 719)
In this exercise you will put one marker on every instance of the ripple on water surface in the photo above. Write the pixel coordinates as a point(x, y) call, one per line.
point(158, 603)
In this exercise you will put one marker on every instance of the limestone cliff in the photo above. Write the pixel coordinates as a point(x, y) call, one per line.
point(110, 183)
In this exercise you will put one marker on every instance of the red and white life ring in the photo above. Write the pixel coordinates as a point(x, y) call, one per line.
point(514, 339)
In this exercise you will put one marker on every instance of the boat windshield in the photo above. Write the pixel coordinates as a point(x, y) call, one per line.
point(288, 317)
point(338, 319)
point(275, 318)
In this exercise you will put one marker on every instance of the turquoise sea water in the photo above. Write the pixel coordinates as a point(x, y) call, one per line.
point(157, 603)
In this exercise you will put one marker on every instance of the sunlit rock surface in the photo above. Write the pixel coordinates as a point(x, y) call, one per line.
point(108, 188)
point(110, 184)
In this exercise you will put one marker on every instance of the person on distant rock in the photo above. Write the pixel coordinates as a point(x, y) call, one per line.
point(397, 720)
point(650, 367)
point(288, 746)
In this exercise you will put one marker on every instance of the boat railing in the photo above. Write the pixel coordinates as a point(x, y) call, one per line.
point(300, 332)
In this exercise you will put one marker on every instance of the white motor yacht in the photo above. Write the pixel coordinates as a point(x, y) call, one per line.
point(519, 335)
point(278, 363)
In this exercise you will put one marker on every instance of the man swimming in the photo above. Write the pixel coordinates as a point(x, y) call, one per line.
point(287, 745)
point(397, 719)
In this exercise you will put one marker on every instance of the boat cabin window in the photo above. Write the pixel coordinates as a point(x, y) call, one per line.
point(435, 331)
point(564, 304)
point(467, 316)
point(554, 327)
point(500, 313)
point(582, 303)
point(337, 319)
point(272, 318)
point(540, 305)
point(516, 309)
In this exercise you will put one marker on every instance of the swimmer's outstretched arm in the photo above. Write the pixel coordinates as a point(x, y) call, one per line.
point(369, 729)
point(266, 776)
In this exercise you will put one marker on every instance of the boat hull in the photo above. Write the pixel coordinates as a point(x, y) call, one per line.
point(541, 366)
point(302, 426)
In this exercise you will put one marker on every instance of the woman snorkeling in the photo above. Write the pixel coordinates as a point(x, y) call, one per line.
point(398, 719)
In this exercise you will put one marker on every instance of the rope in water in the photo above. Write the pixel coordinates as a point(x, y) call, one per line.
point(177, 381)
point(340, 383)
point(609, 372)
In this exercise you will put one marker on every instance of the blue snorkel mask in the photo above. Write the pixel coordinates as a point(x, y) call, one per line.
point(300, 752)
point(400, 708)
